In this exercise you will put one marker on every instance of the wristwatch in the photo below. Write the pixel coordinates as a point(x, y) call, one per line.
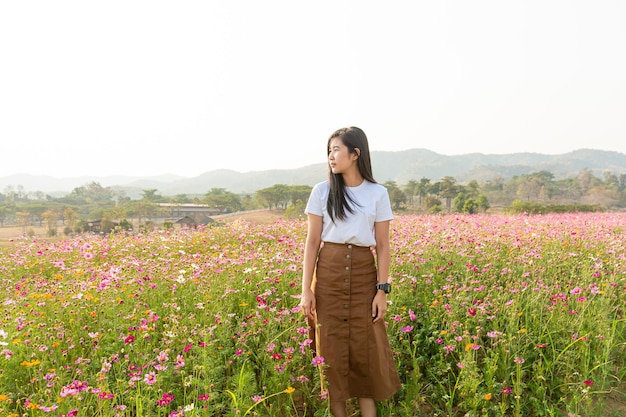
point(385, 287)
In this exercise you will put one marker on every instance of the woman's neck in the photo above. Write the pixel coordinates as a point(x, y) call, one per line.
point(352, 179)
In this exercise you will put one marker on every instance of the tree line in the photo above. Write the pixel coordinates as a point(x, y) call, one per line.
point(536, 192)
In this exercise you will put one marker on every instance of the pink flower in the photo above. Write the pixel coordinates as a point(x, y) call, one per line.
point(129, 339)
point(407, 329)
point(449, 348)
point(588, 383)
point(162, 357)
point(150, 379)
point(165, 400)
point(180, 361)
point(318, 360)
point(507, 390)
point(104, 396)
point(471, 311)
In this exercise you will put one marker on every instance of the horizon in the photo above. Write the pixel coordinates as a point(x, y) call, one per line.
point(170, 174)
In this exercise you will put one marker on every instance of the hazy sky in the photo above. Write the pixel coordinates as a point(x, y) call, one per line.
point(153, 87)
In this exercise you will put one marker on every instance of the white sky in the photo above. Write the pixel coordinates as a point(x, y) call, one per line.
point(153, 87)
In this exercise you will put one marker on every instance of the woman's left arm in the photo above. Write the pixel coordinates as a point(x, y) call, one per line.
point(383, 260)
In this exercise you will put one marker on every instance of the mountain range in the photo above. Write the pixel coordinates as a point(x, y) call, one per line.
point(399, 166)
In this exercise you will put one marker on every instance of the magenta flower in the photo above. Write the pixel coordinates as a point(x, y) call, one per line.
point(104, 396)
point(407, 329)
point(318, 360)
point(165, 400)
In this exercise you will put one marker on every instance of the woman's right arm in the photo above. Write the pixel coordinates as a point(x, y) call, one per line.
point(311, 249)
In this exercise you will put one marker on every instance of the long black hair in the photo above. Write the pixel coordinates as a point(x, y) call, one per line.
point(338, 199)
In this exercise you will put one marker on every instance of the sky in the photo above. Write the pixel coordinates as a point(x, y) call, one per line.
point(153, 87)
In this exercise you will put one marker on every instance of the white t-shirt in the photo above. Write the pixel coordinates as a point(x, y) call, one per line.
point(358, 227)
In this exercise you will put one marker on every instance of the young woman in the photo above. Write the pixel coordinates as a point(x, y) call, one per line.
point(344, 286)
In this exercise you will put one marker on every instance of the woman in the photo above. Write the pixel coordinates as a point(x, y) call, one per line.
point(348, 215)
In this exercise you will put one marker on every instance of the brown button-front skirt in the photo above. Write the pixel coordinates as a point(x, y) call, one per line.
point(356, 351)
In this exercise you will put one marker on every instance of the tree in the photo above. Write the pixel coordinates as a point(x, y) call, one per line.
point(529, 188)
point(483, 202)
point(23, 219)
point(410, 189)
point(459, 202)
point(9, 193)
point(390, 185)
point(448, 190)
point(397, 197)
point(181, 199)
point(611, 181)
point(432, 204)
point(299, 193)
point(51, 217)
point(586, 180)
point(152, 195)
point(70, 216)
point(4, 211)
point(470, 206)
point(423, 189)
point(222, 200)
point(472, 189)
point(90, 193)
point(274, 197)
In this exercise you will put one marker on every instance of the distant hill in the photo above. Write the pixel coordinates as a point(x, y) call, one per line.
point(400, 166)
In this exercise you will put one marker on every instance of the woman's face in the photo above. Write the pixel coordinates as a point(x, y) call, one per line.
point(339, 159)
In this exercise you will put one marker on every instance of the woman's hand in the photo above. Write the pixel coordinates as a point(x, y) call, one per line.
point(307, 303)
point(379, 306)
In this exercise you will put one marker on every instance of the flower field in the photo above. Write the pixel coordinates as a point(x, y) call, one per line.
point(489, 316)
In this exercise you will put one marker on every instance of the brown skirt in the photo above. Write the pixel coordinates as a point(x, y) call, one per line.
point(356, 351)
